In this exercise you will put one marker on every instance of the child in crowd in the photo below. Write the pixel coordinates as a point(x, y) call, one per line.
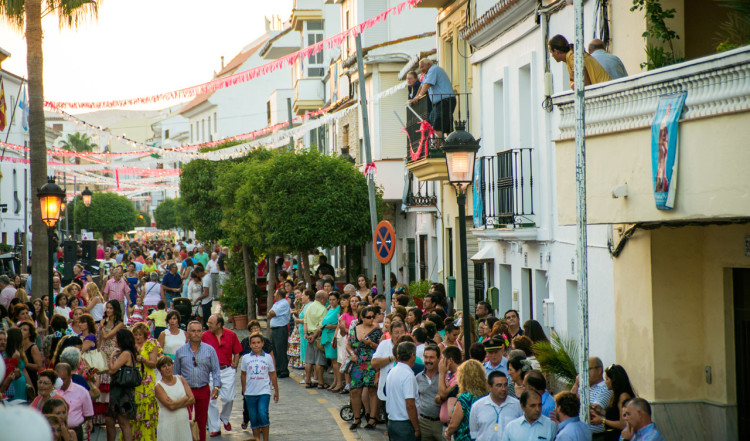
point(257, 369)
point(254, 328)
point(135, 312)
point(159, 318)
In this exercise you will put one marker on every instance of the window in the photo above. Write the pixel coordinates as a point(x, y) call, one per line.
point(215, 119)
point(315, 25)
point(203, 129)
point(57, 127)
point(315, 72)
point(166, 134)
point(348, 47)
point(191, 133)
point(524, 106)
point(314, 61)
point(268, 111)
point(209, 124)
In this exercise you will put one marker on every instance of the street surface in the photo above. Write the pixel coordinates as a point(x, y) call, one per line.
point(300, 414)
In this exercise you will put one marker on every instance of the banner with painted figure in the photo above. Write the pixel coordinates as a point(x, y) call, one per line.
point(478, 194)
point(664, 149)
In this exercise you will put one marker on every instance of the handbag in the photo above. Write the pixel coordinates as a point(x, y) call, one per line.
point(194, 429)
point(128, 376)
point(319, 345)
point(346, 366)
point(95, 359)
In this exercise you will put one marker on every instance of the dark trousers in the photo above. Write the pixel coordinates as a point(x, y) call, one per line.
point(202, 397)
point(280, 341)
point(79, 432)
point(206, 309)
point(401, 431)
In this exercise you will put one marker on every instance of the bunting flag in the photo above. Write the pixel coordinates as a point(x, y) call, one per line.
point(3, 107)
point(244, 76)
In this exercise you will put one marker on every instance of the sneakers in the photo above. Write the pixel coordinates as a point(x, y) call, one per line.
point(228, 427)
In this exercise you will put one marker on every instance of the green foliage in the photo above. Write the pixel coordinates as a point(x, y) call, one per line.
point(165, 214)
point(70, 13)
point(109, 213)
point(198, 189)
point(656, 28)
point(183, 215)
point(420, 288)
point(78, 142)
point(234, 297)
point(734, 31)
point(222, 146)
point(558, 357)
point(142, 219)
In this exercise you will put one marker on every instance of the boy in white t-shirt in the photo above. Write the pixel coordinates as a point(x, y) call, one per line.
point(258, 373)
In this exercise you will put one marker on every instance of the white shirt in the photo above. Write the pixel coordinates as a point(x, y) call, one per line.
point(543, 429)
point(256, 368)
point(212, 267)
point(420, 351)
point(384, 350)
point(400, 386)
point(207, 284)
point(487, 420)
point(152, 293)
point(195, 290)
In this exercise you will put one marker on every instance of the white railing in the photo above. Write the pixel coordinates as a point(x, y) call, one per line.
point(716, 85)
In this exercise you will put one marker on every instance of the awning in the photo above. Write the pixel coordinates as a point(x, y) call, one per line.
point(487, 251)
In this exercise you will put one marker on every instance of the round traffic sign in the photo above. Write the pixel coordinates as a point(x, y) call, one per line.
point(384, 241)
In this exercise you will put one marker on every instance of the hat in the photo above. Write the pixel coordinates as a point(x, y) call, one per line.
point(493, 344)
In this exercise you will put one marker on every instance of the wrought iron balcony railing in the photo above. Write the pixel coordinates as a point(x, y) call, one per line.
point(421, 141)
point(504, 190)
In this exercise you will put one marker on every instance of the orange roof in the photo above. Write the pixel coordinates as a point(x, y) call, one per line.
point(235, 63)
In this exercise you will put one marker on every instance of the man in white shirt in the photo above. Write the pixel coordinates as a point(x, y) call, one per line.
point(383, 358)
point(206, 299)
point(212, 268)
point(490, 414)
point(403, 397)
point(8, 291)
point(598, 393)
point(532, 425)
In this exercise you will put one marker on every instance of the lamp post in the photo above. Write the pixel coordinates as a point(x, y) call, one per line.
point(460, 152)
point(51, 198)
point(86, 194)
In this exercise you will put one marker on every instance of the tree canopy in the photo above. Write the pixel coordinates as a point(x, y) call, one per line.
point(109, 213)
point(142, 219)
point(78, 142)
point(198, 189)
point(165, 214)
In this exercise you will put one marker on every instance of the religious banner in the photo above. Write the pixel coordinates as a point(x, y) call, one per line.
point(478, 194)
point(664, 149)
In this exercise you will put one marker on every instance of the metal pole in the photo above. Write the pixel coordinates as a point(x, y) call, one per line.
point(291, 118)
point(75, 204)
point(463, 255)
point(26, 212)
point(52, 248)
point(388, 287)
point(366, 136)
point(87, 219)
point(582, 269)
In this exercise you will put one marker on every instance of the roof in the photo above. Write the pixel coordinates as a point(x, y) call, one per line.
point(267, 45)
point(228, 69)
point(353, 58)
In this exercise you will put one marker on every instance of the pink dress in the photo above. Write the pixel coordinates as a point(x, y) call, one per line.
point(137, 315)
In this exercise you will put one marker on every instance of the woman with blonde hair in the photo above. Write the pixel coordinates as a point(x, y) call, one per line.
point(22, 296)
point(95, 305)
point(472, 385)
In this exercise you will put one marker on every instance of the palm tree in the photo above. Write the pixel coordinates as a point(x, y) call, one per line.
point(28, 14)
point(78, 142)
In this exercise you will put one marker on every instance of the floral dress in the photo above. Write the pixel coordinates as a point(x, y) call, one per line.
point(147, 408)
point(363, 374)
point(101, 404)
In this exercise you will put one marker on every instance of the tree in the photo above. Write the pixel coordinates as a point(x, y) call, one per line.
point(142, 219)
point(198, 189)
point(183, 215)
point(78, 142)
point(29, 13)
point(109, 213)
point(166, 214)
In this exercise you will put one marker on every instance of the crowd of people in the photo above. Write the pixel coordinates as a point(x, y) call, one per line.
point(119, 358)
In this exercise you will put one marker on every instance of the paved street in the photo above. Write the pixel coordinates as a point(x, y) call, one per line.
point(300, 414)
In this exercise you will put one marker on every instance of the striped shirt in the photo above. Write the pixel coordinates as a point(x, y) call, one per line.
point(207, 361)
point(599, 394)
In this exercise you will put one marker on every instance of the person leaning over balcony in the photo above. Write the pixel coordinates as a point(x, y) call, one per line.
point(437, 84)
point(611, 63)
point(562, 51)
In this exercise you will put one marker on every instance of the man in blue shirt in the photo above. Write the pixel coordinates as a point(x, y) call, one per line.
point(279, 316)
point(437, 84)
point(535, 380)
point(611, 63)
point(638, 424)
point(496, 361)
point(532, 425)
point(570, 427)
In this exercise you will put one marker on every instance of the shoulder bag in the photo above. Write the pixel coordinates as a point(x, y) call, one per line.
point(95, 359)
point(128, 376)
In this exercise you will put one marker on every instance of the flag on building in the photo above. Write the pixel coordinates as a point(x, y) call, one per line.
point(3, 107)
point(24, 105)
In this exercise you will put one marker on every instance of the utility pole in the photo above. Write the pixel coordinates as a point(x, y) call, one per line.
point(368, 154)
point(582, 269)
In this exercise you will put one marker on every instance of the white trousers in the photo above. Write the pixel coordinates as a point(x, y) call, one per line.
point(226, 396)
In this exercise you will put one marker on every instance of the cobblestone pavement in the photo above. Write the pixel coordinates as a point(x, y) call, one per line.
point(301, 414)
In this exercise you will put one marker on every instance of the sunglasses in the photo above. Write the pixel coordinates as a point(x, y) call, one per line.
point(195, 362)
point(369, 316)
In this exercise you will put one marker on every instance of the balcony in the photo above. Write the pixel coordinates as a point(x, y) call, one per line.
point(434, 3)
point(303, 10)
point(713, 131)
point(424, 157)
point(308, 95)
point(504, 193)
point(420, 195)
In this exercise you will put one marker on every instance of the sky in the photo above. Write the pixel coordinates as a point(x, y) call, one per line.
point(141, 47)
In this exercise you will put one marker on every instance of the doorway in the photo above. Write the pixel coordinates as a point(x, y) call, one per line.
point(741, 284)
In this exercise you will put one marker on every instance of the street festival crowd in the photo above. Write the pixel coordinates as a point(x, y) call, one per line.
point(119, 357)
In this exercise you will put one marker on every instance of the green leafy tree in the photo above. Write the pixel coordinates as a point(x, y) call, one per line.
point(183, 215)
point(26, 16)
point(166, 214)
point(142, 219)
point(198, 189)
point(109, 213)
point(662, 53)
point(78, 142)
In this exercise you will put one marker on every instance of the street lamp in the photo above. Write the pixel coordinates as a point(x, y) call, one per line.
point(86, 193)
point(460, 152)
point(51, 199)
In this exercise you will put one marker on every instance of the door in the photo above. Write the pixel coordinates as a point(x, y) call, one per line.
point(478, 282)
point(412, 246)
point(422, 257)
point(741, 281)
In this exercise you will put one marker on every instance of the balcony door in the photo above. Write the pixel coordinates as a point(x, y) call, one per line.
point(741, 279)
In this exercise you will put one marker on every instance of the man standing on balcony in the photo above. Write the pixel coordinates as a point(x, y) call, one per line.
point(562, 52)
point(437, 84)
point(611, 63)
